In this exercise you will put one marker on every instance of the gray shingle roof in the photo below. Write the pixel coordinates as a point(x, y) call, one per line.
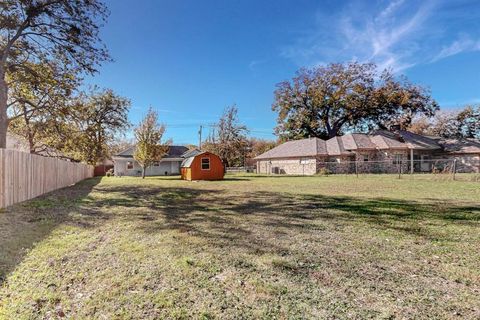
point(382, 140)
point(461, 146)
point(355, 141)
point(418, 142)
point(173, 152)
point(387, 140)
point(335, 147)
point(297, 148)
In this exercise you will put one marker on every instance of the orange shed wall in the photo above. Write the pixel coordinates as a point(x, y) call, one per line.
point(216, 171)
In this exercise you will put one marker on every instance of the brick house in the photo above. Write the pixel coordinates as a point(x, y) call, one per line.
point(378, 152)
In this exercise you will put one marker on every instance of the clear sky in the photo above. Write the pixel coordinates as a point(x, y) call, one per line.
point(190, 59)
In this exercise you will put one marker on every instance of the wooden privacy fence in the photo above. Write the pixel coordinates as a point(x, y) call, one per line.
point(25, 176)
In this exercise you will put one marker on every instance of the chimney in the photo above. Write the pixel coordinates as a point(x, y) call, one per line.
point(395, 127)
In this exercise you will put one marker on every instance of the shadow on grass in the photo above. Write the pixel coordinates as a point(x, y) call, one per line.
point(221, 215)
point(25, 224)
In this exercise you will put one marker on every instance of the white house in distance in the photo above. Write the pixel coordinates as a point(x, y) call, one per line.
point(125, 164)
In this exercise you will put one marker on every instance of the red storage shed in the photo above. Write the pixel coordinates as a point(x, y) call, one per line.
point(202, 166)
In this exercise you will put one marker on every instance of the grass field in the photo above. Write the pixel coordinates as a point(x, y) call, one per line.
point(246, 247)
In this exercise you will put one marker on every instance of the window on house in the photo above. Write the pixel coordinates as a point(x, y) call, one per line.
point(205, 163)
point(334, 160)
point(304, 161)
point(156, 163)
point(129, 165)
point(397, 158)
point(364, 157)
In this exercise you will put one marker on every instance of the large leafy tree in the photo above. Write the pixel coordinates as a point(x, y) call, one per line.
point(229, 139)
point(38, 102)
point(43, 31)
point(82, 127)
point(149, 145)
point(99, 117)
point(325, 101)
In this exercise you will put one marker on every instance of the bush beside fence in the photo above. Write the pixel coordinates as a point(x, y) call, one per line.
point(25, 176)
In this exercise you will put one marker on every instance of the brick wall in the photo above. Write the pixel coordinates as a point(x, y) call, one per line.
point(294, 166)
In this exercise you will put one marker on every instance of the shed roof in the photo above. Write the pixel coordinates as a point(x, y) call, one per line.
point(297, 148)
point(191, 153)
point(187, 162)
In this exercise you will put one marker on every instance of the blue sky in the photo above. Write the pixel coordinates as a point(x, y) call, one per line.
point(191, 59)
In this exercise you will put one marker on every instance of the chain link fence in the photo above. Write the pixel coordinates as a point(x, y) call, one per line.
point(467, 169)
point(456, 169)
point(240, 169)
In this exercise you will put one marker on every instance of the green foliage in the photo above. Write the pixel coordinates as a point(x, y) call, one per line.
point(148, 136)
point(99, 117)
point(324, 172)
point(63, 33)
point(325, 101)
point(39, 99)
point(86, 126)
point(109, 173)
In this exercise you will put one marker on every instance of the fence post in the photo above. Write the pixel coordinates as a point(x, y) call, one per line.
point(454, 167)
point(411, 162)
point(399, 164)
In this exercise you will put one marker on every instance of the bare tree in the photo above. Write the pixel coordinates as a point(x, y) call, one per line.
point(229, 140)
point(460, 124)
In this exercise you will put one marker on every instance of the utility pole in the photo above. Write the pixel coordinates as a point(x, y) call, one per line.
point(200, 137)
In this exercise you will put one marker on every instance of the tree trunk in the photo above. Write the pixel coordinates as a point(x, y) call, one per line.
point(143, 172)
point(3, 109)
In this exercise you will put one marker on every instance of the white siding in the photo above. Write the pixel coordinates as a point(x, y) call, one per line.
point(166, 167)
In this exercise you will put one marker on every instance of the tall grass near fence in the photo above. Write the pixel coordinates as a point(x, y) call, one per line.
point(25, 176)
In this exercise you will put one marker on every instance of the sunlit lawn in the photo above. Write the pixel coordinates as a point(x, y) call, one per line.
point(247, 247)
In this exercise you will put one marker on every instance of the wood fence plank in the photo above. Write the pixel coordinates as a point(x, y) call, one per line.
point(25, 176)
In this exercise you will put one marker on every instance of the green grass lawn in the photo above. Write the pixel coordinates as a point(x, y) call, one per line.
point(247, 247)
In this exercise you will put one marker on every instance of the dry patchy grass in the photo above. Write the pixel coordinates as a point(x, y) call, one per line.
point(247, 247)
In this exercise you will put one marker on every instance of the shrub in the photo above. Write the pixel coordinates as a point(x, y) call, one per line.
point(324, 172)
point(109, 173)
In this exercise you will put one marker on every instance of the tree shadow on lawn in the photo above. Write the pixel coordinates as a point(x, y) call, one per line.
point(214, 214)
point(222, 216)
point(25, 224)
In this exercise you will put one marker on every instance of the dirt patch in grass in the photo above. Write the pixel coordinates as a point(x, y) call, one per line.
point(248, 247)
